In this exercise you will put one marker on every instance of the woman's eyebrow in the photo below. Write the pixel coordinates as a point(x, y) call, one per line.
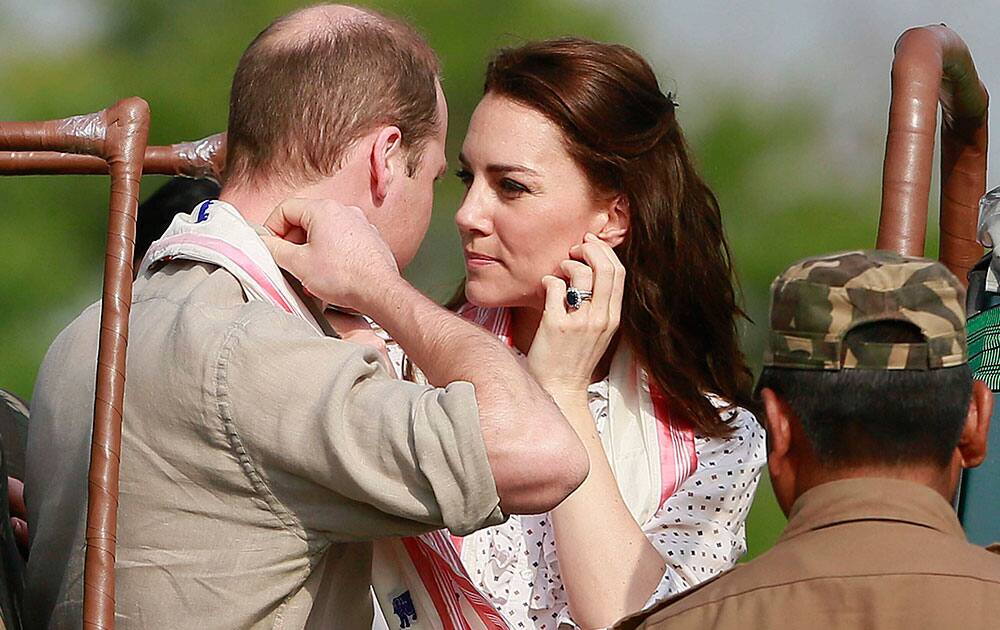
point(500, 168)
point(510, 168)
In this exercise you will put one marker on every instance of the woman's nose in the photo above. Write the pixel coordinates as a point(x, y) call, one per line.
point(473, 215)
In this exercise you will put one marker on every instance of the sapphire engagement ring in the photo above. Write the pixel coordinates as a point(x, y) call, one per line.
point(576, 297)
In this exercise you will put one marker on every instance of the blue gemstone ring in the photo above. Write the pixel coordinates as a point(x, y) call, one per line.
point(576, 297)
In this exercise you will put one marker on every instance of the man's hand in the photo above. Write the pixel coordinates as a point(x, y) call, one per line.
point(333, 250)
point(339, 257)
point(18, 514)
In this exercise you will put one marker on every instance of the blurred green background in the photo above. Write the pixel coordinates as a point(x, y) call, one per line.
point(786, 189)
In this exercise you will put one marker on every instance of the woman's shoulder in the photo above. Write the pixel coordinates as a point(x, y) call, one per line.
point(740, 418)
point(747, 433)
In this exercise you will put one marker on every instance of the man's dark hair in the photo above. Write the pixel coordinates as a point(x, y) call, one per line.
point(865, 417)
point(302, 94)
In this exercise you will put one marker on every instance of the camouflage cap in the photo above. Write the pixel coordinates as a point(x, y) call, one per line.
point(816, 301)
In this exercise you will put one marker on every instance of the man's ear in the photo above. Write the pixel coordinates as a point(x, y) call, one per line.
point(972, 443)
point(781, 460)
point(779, 429)
point(616, 227)
point(385, 161)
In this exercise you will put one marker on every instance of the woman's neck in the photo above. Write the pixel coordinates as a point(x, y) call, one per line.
point(524, 323)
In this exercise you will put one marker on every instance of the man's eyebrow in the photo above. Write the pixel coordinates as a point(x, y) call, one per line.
point(502, 168)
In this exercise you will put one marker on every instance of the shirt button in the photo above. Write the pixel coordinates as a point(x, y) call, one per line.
point(527, 574)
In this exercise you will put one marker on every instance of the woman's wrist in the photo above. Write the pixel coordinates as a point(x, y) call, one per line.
point(570, 398)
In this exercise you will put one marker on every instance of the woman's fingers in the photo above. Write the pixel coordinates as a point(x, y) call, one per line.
point(579, 275)
point(608, 274)
point(618, 286)
point(555, 295)
point(603, 273)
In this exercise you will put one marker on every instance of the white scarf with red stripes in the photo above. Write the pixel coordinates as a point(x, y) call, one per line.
point(650, 453)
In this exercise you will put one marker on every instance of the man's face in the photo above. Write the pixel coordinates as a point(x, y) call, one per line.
point(407, 207)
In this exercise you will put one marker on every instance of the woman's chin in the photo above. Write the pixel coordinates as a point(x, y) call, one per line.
point(505, 301)
point(482, 302)
point(483, 297)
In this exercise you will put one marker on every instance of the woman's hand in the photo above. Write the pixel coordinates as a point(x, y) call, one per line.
point(570, 342)
point(607, 571)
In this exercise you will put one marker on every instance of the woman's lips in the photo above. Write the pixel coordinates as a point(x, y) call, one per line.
point(472, 259)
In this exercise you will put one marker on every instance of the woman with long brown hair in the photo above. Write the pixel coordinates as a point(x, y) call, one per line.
point(595, 249)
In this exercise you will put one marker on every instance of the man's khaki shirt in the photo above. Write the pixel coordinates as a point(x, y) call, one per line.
point(859, 553)
point(258, 461)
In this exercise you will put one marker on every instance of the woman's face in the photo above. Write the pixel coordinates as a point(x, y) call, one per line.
point(526, 204)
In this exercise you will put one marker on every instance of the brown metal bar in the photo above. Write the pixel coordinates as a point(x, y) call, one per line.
point(932, 64)
point(199, 158)
point(118, 136)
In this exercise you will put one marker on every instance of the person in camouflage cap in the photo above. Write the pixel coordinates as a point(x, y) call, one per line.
point(817, 301)
point(871, 414)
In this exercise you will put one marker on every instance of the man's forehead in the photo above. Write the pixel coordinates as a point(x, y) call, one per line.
point(442, 108)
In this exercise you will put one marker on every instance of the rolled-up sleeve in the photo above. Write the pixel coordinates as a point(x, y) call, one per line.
point(335, 445)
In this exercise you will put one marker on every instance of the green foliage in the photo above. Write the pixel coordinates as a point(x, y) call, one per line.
point(180, 57)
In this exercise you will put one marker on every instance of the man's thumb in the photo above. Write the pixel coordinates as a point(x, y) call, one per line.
point(285, 253)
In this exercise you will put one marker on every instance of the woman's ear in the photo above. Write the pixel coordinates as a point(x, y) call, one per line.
point(385, 162)
point(615, 229)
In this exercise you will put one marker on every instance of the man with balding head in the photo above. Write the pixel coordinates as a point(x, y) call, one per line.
point(262, 453)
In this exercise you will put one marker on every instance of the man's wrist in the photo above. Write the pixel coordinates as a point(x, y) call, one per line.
point(388, 301)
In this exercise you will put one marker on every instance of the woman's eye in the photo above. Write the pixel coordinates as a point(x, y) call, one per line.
point(512, 188)
point(464, 176)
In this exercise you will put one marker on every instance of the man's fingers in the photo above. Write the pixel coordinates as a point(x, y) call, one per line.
point(296, 235)
point(15, 497)
point(20, 527)
point(287, 255)
point(291, 214)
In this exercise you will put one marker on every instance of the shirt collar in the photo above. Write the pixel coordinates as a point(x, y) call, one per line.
point(871, 499)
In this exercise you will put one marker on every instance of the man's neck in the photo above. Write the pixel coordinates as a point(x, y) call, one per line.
point(255, 205)
point(935, 478)
point(256, 201)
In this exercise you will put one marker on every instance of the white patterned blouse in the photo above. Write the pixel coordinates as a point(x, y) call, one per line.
point(699, 529)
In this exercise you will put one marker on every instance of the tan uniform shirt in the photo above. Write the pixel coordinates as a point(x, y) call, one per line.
point(258, 460)
point(860, 553)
